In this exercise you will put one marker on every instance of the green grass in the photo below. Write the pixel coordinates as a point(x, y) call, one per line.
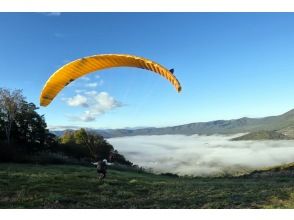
point(65, 186)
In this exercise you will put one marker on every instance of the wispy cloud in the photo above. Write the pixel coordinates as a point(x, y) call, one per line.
point(80, 90)
point(61, 127)
point(71, 127)
point(95, 84)
point(55, 14)
point(202, 155)
point(90, 93)
point(92, 85)
point(95, 103)
point(85, 78)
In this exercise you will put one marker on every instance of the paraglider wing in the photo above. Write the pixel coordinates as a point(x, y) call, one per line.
point(78, 68)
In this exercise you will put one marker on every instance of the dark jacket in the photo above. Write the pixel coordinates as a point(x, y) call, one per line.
point(101, 165)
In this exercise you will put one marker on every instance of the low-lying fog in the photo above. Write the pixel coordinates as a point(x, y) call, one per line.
point(202, 155)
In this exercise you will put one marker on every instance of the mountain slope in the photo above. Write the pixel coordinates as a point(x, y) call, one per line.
point(233, 126)
point(262, 135)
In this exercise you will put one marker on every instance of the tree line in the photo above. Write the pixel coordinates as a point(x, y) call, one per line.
point(24, 136)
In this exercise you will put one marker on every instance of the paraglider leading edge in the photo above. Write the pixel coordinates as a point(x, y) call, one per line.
point(80, 67)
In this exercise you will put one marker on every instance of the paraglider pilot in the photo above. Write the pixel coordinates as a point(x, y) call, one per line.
point(102, 169)
point(101, 166)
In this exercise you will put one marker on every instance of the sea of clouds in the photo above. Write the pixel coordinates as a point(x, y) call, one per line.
point(202, 155)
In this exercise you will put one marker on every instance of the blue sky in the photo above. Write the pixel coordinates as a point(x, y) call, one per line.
point(230, 65)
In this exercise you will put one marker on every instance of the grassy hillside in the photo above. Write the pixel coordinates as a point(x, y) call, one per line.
point(288, 131)
point(34, 186)
point(263, 135)
point(284, 170)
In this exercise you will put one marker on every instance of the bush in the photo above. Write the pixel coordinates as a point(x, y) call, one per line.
point(169, 174)
point(17, 153)
point(6, 153)
point(72, 150)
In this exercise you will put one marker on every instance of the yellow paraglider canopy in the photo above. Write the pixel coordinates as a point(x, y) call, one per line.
point(78, 68)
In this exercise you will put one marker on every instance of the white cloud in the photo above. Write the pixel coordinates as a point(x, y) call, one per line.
point(96, 104)
point(88, 116)
point(106, 101)
point(95, 84)
point(85, 78)
point(202, 155)
point(92, 85)
point(77, 100)
point(79, 90)
point(91, 93)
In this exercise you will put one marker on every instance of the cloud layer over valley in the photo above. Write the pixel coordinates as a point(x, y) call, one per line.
point(202, 155)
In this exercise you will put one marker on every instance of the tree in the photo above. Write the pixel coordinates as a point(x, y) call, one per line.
point(21, 123)
point(83, 144)
point(98, 147)
point(69, 146)
point(30, 127)
point(2, 129)
point(119, 158)
point(68, 137)
point(10, 104)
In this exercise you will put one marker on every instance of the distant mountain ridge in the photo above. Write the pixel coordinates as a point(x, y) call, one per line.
point(281, 123)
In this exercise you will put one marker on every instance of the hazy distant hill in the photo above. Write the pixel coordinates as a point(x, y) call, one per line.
point(263, 135)
point(283, 123)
